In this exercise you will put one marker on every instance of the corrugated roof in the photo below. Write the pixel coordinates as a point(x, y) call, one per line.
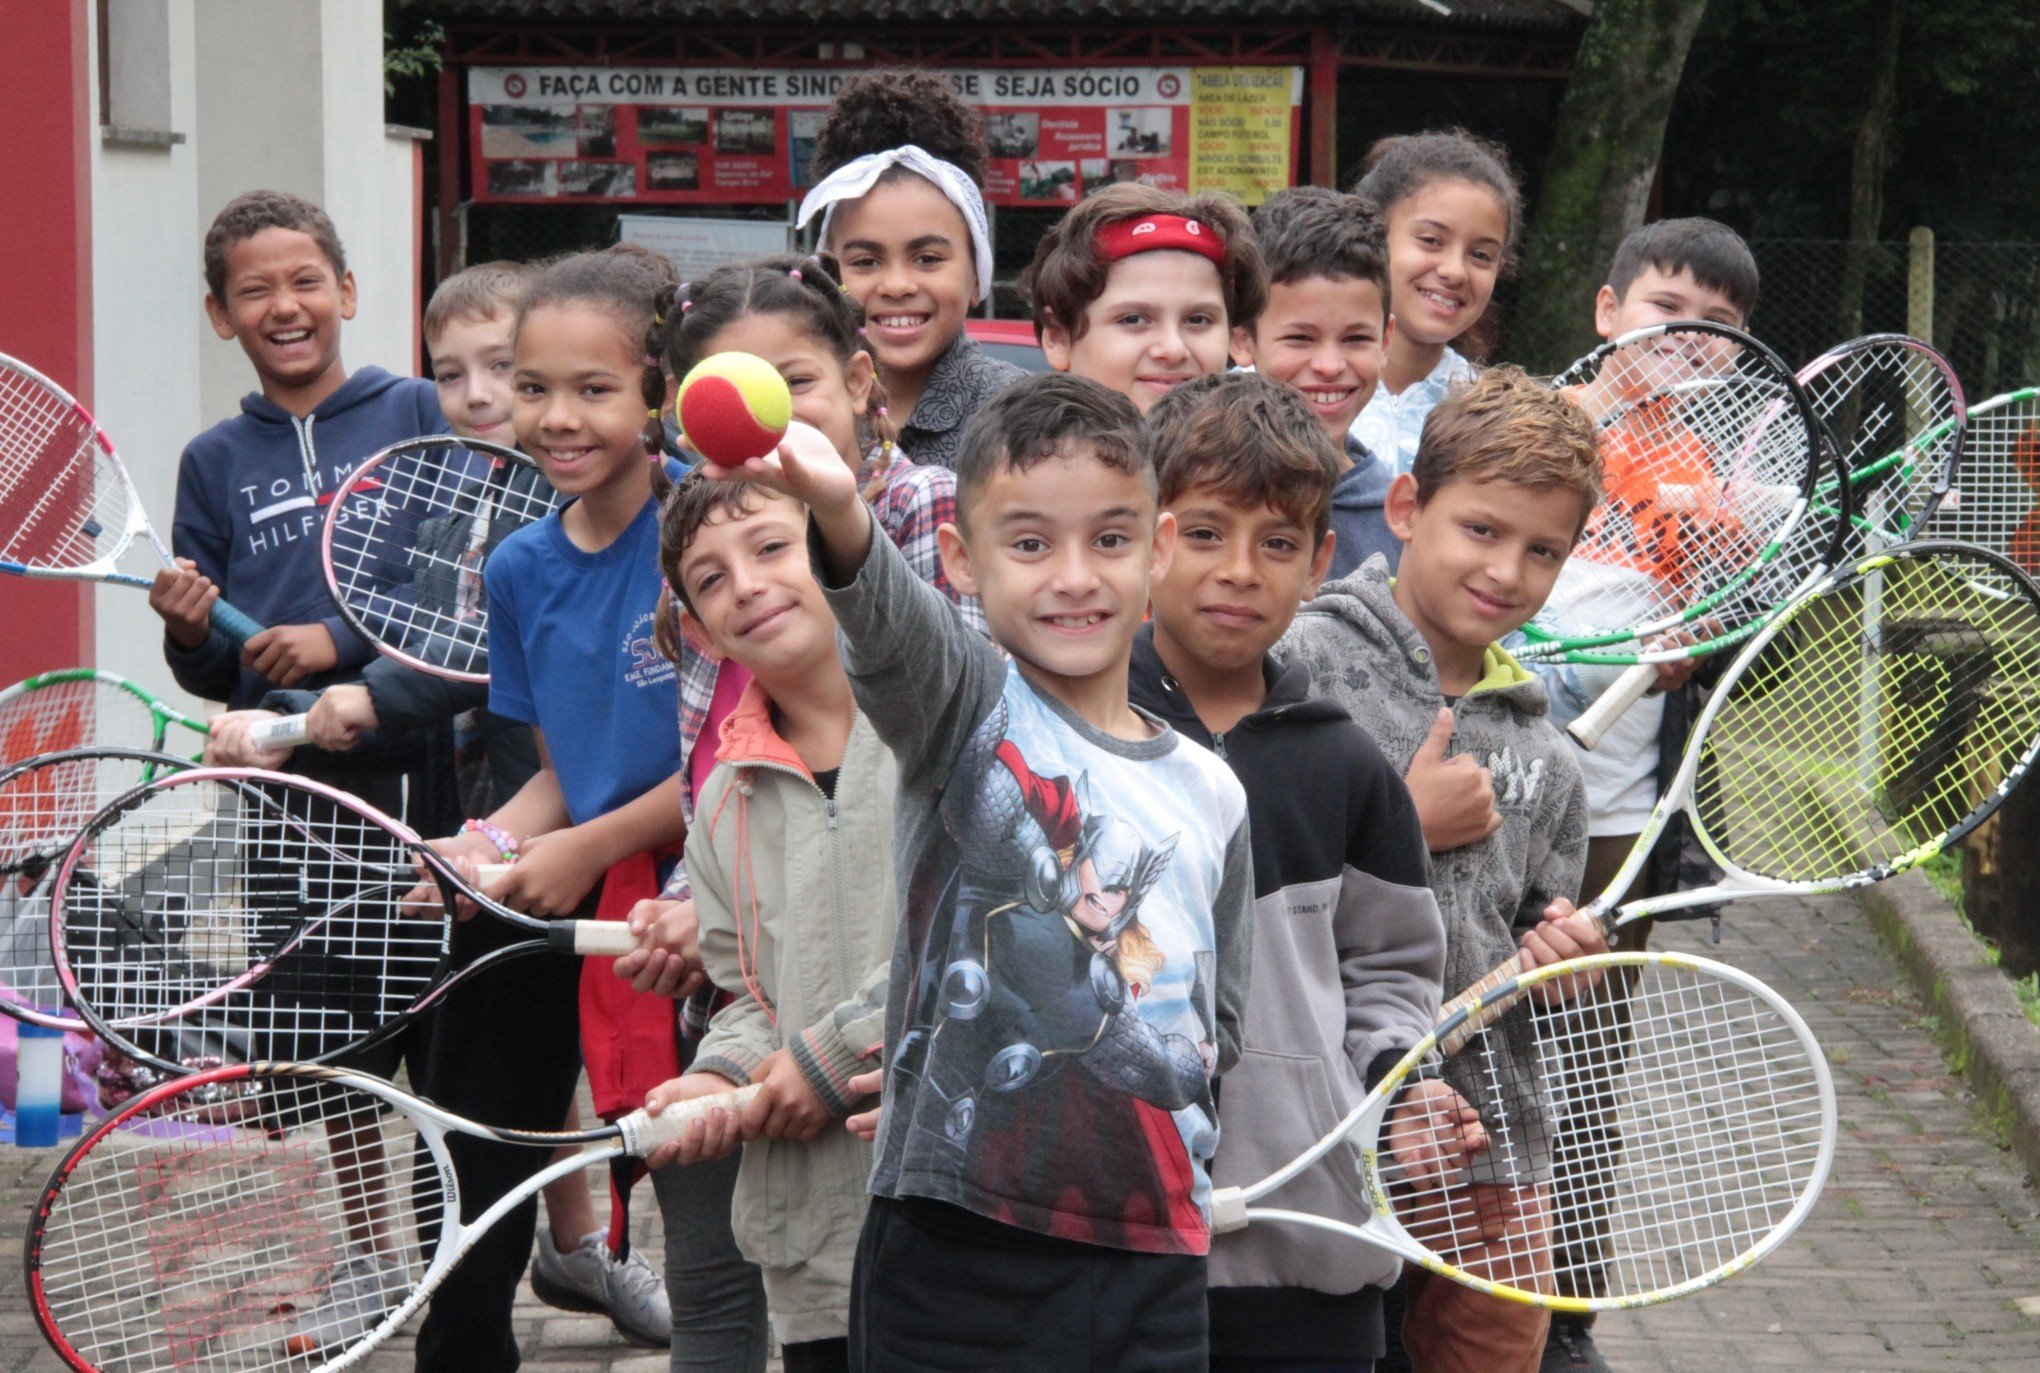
point(1536, 14)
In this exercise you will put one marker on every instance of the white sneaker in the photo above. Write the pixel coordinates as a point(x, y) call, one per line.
point(631, 1293)
point(362, 1289)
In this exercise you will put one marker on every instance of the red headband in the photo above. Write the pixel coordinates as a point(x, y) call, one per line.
point(1154, 233)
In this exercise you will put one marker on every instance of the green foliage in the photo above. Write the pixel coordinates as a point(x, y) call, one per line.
point(419, 56)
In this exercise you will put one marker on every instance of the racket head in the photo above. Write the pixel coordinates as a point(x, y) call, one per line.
point(1709, 458)
point(1873, 723)
point(67, 505)
point(83, 708)
point(1993, 502)
point(1680, 1100)
point(406, 535)
point(230, 914)
point(197, 1227)
point(1895, 413)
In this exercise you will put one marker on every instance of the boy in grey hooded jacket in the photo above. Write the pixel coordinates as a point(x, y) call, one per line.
point(1504, 478)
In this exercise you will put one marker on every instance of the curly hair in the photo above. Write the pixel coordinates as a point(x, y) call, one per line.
point(1067, 275)
point(249, 214)
point(1398, 168)
point(1309, 231)
point(890, 108)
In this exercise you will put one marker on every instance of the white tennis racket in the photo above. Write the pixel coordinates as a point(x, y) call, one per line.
point(1720, 1130)
point(199, 1227)
point(68, 508)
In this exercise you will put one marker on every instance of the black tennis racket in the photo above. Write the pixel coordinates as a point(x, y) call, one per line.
point(235, 913)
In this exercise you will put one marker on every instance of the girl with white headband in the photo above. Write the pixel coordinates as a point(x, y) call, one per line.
point(902, 163)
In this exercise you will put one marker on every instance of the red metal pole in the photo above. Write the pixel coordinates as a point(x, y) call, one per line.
point(1322, 92)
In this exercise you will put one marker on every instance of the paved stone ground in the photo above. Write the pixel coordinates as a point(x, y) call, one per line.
point(1916, 1259)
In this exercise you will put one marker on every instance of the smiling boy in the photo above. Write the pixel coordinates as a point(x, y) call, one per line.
point(1326, 331)
point(251, 490)
point(1074, 884)
point(1139, 288)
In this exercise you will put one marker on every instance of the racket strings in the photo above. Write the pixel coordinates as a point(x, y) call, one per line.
point(42, 809)
point(1994, 504)
point(1896, 416)
point(63, 504)
point(233, 920)
point(205, 1234)
point(1883, 716)
point(1706, 457)
point(409, 545)
point(1648, 1133)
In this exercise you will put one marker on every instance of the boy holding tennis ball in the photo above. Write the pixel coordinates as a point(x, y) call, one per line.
point(791, 864)
point(1348, 946)
point(1325, 331)
point(1074, 884)
point(1505, 476)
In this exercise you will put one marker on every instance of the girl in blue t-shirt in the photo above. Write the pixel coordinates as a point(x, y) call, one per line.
point(573, 600)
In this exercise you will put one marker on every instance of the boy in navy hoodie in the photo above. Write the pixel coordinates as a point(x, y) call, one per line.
point(1348, 943)
point(251, 490)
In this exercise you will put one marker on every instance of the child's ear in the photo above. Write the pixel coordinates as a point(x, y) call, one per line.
point(1320, 563)
point(1055, 343)
point(347, 295)
point(1606, 303)
point(955, 554)
point(1243, 347)
point(858, 377)
point(696, 635)
point(1387, 330)
point(216, 314)
point(1165, 546)
point(1399, 507)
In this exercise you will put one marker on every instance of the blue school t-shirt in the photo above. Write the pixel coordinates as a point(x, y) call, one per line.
point(571, 651)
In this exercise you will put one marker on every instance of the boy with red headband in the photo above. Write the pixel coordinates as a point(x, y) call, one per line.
point(1140, 288)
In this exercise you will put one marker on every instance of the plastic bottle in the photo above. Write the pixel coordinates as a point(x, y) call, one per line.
point(39, 1090)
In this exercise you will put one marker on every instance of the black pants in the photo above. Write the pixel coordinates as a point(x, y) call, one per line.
point(506, 1050)
point(939, 1289)
point(816, 1356)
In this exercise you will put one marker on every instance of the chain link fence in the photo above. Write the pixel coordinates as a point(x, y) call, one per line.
point(1978, 302)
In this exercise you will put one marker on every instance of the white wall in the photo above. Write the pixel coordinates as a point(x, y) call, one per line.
point(282, 94)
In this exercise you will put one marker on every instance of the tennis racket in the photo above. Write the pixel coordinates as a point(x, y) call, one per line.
point(1893, 414)
point(255, 913)
point(198, 1227)
point(406, 536)
point(1871, 724)
point(1720, 1132)
point(68, 508)
point(1994, 503)
point(80, 707)
point(44, 802)
point(1709, 457)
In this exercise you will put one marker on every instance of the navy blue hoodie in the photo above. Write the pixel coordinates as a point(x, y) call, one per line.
point(251, 494)
point(1357, 515)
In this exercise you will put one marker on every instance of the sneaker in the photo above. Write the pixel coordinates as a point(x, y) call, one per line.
point(362, 1289)
point(1570, 1348)
point(630, 1293)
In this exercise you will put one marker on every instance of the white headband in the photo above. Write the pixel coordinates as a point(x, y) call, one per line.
point(856, 178)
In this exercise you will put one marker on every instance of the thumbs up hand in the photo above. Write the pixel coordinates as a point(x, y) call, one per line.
point(1455, 796)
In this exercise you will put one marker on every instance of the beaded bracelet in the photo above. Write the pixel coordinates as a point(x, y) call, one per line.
point(504, 840)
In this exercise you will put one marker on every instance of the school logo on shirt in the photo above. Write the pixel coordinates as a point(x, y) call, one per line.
point(644, 665)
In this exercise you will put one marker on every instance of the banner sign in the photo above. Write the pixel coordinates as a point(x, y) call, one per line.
point(723, 135)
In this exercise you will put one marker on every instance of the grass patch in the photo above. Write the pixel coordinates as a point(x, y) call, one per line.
point(1944, 872)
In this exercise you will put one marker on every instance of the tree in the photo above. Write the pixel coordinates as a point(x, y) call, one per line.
point(1604, 157)
point(1866, 166)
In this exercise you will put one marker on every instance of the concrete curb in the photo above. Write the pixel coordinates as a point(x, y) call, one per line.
point(1980, 1024)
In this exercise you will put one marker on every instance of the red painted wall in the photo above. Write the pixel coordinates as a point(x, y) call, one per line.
point(46, 277)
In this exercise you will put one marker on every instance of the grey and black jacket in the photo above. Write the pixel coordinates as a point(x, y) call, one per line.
point(1348, 948)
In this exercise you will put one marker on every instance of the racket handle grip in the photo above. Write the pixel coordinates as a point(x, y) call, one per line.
point(487, 874)
point(286, 731)
point(644, 1132)
point(592, 938)
point(233, 623)
point(1454, 1042)
point(1611, 705)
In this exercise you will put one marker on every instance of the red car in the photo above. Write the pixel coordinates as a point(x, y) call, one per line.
point(1011, 340)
